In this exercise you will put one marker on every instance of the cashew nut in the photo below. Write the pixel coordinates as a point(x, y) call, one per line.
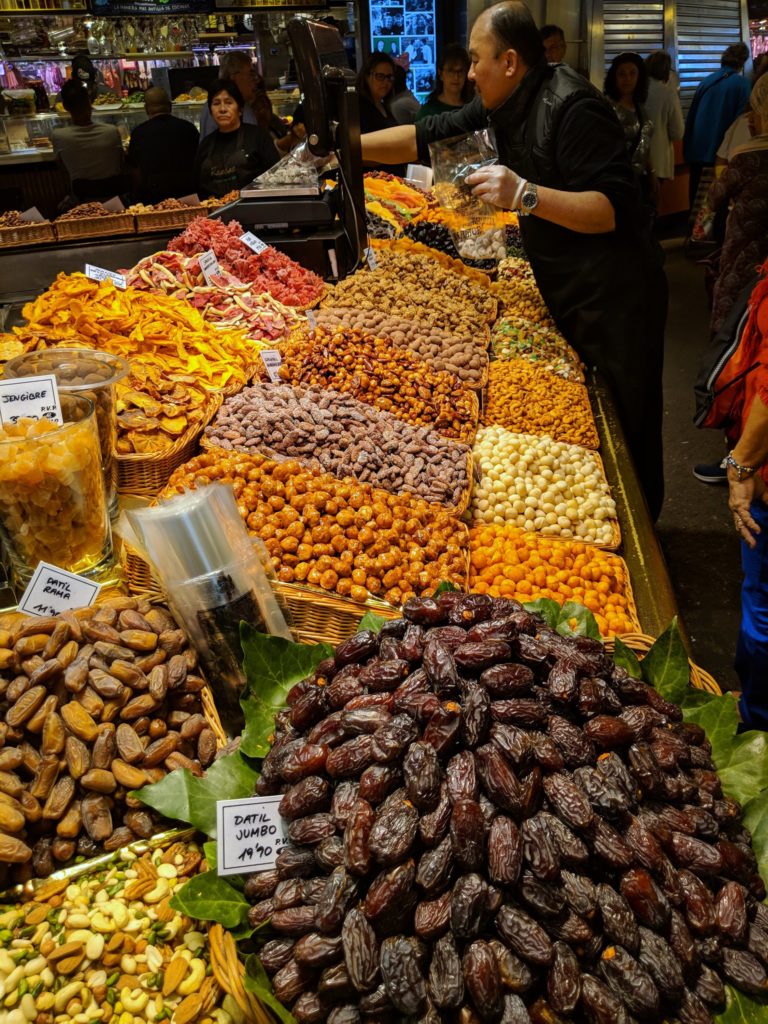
point(133, 1000)
point(194, 978)
point(102, 924)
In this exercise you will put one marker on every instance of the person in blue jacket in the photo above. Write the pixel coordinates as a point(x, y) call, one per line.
point(718, 101)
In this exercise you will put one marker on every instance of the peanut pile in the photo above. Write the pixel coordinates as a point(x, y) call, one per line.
point(347, 538)
point(391, 379)
point(335, 433)
point(525, 399)
point(464, 355)
point(109, 948)
point(93, 704)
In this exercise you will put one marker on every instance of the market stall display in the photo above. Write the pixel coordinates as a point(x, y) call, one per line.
point(506, 561)
point(528, 834)
point(525, 399)
point(333, 432)
point(391, 379)
point(93, 219)
point(345, 537)
point(15, 230)
point(391, 197)
point(538, 484)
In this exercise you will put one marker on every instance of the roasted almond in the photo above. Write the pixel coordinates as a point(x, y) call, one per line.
point(65, 950)
point(175, 973)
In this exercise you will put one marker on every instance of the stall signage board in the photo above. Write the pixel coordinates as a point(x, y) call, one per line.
point(250, 834)
point(272, 361)
point(209, 266)
point(99, 274)
point(253, 242)
point(35, 398)
point(53, 590)
point(140, 7)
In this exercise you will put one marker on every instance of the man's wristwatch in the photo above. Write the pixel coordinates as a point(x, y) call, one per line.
point(529, 199)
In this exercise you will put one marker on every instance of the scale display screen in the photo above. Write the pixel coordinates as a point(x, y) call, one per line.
point(407, 32)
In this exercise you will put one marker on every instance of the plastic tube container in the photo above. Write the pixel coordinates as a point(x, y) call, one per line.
point(53, 504)
point(201, 552)
point(93, 375)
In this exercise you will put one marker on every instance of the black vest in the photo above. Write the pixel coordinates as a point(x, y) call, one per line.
point(528, 120)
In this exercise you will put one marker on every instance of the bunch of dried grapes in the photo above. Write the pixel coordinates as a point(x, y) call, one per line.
point(490, 822)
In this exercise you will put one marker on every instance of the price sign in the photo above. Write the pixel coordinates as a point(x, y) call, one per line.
point(53, 590)
point(253, 242)
point(370, 256)
point(311, 319)
point(272, 361)
point(250, 834)
point(209, 266)
point(33, 397)
point(99, 274)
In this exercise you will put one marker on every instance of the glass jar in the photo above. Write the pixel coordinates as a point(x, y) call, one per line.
point(90, 374)
point(53, 504)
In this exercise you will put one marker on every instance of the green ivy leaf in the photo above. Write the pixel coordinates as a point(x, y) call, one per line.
point(371, 621)
point(211, 854)
point(717, 716)
point(207, 897)
point(756, 819)
point(548, 609)
point(666, 666)
point(626, 658)
point(741, 1009)
point(184, 797)
point(256, 981)
point(272, 666)
point(445, 587)
point(586, 624)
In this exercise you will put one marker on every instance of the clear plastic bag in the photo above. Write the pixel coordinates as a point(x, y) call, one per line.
point(473, 222)
point(297, 168)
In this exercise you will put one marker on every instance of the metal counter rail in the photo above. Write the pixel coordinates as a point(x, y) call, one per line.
point(651, 584)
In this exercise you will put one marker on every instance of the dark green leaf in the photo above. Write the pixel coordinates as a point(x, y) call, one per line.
point(445, 586)
point(272, 666)
point(184, 797)
point(756, 820)
point(741, 1009)
point(548, 609)
point(207, 897)
point(717, 716)
point(626, 658)
point(371, 621)
point(666, 666)
point(744, 772)
point(256, 981)
point(585, 622)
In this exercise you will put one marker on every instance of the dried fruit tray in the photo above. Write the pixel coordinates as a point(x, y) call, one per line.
point(404, 244)
point(156, 220)
point(90, 227)
point(145, 475)
point(24, 234)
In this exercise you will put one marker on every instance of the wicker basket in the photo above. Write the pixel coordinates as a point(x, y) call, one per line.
point(158, 220)
point(319, 617)
point(641, 643)
point(145, 475)
point(26, 234)
point(92, 227)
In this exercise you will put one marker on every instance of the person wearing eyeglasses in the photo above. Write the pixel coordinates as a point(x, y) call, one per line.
point(374, 87)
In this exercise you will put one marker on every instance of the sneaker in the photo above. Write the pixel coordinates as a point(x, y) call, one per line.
point(711, 473)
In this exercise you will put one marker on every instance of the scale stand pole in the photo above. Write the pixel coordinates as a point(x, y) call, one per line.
point(342, 89)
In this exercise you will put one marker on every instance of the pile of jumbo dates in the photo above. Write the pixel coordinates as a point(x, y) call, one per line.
point(491, 822)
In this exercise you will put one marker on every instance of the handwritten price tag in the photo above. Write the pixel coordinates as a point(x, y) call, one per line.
point(253, 242)
point(53, 590)
point(33, 397)
point(272, 361)
point(209, 266)
point(250, 834)
point(311, 319)
point(99, 274)
point(370, 256)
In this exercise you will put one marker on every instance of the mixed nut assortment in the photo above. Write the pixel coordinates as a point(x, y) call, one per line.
point(93, 704)
point(333, 432)
point(491, 821)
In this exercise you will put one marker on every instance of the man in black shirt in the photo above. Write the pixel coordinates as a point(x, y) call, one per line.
point(161, 152)
point(563, 165)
